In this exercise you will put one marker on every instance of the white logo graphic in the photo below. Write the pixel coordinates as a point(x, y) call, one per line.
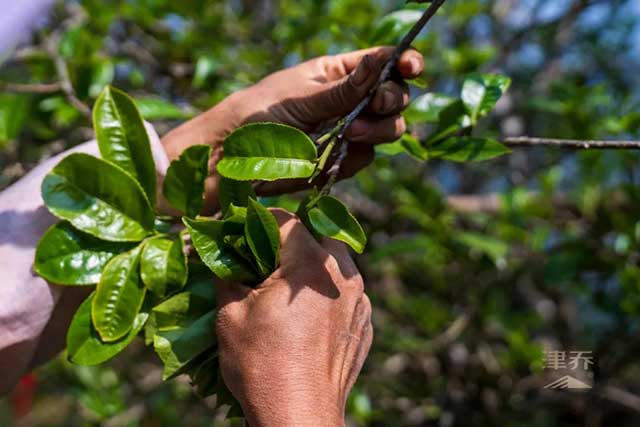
point(568, 382)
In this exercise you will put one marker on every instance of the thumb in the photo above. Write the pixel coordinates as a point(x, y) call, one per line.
point(339, 97)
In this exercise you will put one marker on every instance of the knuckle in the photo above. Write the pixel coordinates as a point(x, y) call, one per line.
point(355, 283)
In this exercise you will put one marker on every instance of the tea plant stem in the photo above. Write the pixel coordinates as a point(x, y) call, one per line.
point(30, 87)
point(344, 124)
point(574, 144)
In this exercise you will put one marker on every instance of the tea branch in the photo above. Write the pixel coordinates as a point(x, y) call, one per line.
point(338, 141)
point(574, 144)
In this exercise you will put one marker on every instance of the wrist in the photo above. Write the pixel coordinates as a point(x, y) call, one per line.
point(293, 406)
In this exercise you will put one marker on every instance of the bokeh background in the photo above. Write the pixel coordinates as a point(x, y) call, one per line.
point(473, 269)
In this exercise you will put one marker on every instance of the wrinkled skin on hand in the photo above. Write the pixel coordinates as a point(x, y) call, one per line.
point(292, 348)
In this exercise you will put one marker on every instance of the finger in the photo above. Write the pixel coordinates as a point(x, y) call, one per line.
point(373, 130)
point(338, 97)
point(359, 156)
point(341, 254)
point(410, 64)
point(338, 66)
point(390, 98)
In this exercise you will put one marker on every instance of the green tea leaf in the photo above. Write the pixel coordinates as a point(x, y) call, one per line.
point(119, 296)
point(163, 265)
point(66, 256)
point(179, 310)
point(184, 184)
point(84, 345)
point(179, 346)
point(234, 192)
point(426, 108)
point(98, 198)
point(332, 219)
point(451, 119)
point(154, 108)
point(480, 93)
point(236, 214)
point(122, 138)
point(263, 236)
point(14, 109)
point(392, 27)
point(267, 151)
point(208, 239)
point(467, 149)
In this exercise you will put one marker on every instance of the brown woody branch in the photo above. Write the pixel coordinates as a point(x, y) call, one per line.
point(30, 87)
point(573, 144)
point(63, 74)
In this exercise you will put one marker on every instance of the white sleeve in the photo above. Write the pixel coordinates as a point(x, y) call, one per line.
point(28, 304)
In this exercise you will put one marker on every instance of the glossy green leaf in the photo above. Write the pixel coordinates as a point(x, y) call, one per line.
point(426, 108)
point(267, 151)
point(208, 239)
point(66, 256)
point(392, 27)
point(179, 346)
point(163, 265)
point(184, 184)
point(154, 108)
point(236, 214)
point(263, 236)
point(330, 218)
point(234, 192)
point(185, 307)
point(413, 147)
point(84, 345)
point(453, 118)
point(480, 93)
point(119, 296)
point(467, 149)
point(14, 109)
point(122, 138)
point(98, 198)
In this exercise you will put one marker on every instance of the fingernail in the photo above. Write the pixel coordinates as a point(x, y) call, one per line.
point(388, 101)
point(415, 65)
point(362, 71)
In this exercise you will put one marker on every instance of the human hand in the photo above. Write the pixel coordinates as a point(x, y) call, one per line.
point(292, 348)
point(308, 96)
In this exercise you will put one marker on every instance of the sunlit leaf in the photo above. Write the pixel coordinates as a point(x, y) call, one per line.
point(332, 219)
point(154, 108)
point(480, 93)
point(66, 256)
point(163, 265)
point(427, 107)
point(119, 296)
point(84, 345)
point(267, 151)
point(122, 138)
point(98, 198)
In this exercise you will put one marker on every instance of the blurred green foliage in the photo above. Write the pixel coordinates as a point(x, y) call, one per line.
point(472, 268)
